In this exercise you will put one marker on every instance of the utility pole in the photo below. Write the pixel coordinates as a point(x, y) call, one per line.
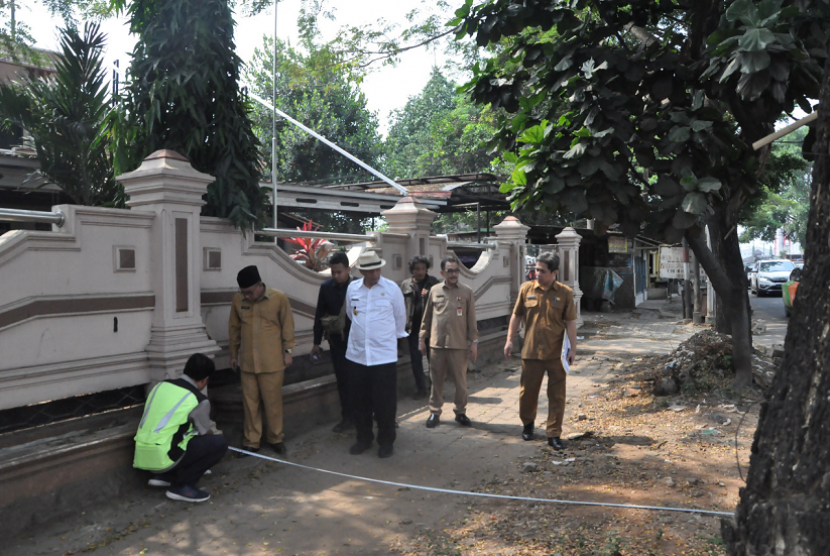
point(274, 121)
point(13, 21)
point(697, 314)
point(687, 295)
point(711, 303)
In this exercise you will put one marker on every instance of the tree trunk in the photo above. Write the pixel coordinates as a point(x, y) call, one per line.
point(784, 508)
point(723, 324)
point(725, 268)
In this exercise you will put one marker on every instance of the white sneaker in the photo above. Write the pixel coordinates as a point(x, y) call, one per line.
point(154, 482)
point(208, 472)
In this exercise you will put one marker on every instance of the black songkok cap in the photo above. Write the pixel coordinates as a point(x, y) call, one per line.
point(248, 276)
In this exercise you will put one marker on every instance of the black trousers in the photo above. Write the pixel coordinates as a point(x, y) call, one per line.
point(203, 452)
point(374, 392)
point(341, 372)
point(417, 362)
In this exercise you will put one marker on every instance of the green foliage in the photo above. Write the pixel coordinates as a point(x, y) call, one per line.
point(15, 30)
point(68, 116)
point(438, 132)
point(641, 113)
point(183, 95)
point(342, 222)
point(15, 35)
point(107, 8)
point(315, 88)
point(784, 201)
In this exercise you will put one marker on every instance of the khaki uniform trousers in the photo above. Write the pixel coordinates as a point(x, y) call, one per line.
point(533, 371)
point(262, 393)
point(452, 362)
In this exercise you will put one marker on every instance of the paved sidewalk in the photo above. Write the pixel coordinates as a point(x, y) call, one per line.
point(265, 508)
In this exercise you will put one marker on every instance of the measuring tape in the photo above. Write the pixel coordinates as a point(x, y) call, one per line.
point(483, 494)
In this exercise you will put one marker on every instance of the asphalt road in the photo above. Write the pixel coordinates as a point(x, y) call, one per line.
point(769, 311)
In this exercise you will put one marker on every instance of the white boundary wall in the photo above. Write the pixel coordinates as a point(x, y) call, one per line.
point(167, 276)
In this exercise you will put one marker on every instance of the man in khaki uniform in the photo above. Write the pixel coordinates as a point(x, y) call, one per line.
point(548, 311)
point(261, 339)
point(449, 327)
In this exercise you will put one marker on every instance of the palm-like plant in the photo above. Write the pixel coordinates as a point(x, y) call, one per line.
point(68, 117)
point(312, 251)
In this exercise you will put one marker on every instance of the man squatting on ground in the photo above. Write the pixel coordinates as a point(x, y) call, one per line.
point(330, 321)
point(261, 331)
point(415, 291)
point(449, 328)
point(547, 309)
point(376, 308)
point(175, 440)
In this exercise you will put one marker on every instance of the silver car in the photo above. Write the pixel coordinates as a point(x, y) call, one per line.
point(769, 276)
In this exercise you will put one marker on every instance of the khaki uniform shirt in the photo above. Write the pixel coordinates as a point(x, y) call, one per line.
point(545, 313)
point(261, 331)
point(450, 317)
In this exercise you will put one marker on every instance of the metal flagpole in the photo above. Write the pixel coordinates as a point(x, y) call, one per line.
point(274, 120)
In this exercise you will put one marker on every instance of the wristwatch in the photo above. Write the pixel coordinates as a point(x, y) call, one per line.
point(287, 350)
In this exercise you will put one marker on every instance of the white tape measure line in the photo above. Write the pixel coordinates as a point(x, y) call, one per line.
point(484, 494)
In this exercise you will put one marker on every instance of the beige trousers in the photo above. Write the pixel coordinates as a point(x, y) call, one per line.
point(533, 372)
point(443, 362)
point(262, 393)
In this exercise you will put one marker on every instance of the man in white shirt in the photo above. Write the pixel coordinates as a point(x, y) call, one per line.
point(375, 305)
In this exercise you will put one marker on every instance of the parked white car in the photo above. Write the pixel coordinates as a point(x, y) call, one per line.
point(768, 276)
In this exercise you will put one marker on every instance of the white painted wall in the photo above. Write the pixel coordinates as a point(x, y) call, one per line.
point(62, 354)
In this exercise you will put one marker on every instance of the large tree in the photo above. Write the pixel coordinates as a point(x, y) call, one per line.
point(182, 94)
point(784, 202)
point(784, 506)
point(438, 132)
point(642, 113)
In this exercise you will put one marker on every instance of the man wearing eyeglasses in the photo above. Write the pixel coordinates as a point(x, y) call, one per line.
point(261, 340)
point(450, 324)
point(547, 309)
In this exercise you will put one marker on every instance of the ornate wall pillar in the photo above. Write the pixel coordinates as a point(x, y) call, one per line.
point(568, 245)
point(167, 185)
point(410, 217)
point(515, 232)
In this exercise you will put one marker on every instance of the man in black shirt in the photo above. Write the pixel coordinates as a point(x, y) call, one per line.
point(415, 290)
point(329, 304)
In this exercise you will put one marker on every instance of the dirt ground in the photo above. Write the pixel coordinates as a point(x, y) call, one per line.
point(626, 446)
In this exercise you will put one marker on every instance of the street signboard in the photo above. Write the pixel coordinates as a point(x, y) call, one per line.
point(671, 263)
point(617, 244)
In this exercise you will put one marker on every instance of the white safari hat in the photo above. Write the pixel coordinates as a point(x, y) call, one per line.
point(369, 261)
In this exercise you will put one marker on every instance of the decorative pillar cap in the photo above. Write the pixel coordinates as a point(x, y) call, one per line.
point(511, 228)
point(167, 153)
point(165, 176)
point(568, 233)
point(407, 214)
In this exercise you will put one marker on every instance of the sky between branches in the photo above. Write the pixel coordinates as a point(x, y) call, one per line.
point(386, 88)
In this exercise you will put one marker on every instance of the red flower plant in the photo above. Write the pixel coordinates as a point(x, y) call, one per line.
point(312, 251)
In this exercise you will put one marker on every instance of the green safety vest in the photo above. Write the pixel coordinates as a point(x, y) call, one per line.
point(164, 430)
